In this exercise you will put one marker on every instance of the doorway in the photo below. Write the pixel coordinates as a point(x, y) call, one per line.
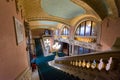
point(65, 48)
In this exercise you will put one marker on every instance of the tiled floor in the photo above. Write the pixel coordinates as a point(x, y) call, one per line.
point(35, 75)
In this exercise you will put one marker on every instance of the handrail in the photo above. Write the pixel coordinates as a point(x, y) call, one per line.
point(93, 66)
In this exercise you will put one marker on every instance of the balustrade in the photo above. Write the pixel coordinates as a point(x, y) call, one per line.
point(94, 66)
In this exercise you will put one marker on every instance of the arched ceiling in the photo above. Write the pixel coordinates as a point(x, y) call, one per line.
point(62, 8)
point(65, 11)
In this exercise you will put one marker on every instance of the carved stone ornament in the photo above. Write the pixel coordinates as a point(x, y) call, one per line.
point(88, 65)
point(93, 65)
point(101, 64)
point(80, 63)
point(83, 63)
point(108, 64)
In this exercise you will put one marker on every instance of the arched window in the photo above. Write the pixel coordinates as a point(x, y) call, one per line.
point(86, 28)
point(86, 31)
point(65, 31)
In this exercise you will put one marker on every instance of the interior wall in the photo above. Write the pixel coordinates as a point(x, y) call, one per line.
point(13, 57)
point(117, 2)
point(110, 30)
point(37, 32)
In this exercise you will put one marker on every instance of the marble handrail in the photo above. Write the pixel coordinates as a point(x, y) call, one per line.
point(102, 65)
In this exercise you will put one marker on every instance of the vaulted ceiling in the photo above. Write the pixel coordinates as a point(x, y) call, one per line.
point(62, 8)
point(48, 13)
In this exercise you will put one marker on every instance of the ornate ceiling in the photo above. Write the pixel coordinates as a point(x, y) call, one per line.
point(62, 8)
point(65, 11)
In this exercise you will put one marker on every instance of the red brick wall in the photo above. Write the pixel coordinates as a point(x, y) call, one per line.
point(13, 57)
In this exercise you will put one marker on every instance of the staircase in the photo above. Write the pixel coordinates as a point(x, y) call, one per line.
point(50, 73)
point(93, 66)
point(47, 72)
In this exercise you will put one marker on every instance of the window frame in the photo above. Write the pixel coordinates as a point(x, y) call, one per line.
point(65, 31)
point(84, 24)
